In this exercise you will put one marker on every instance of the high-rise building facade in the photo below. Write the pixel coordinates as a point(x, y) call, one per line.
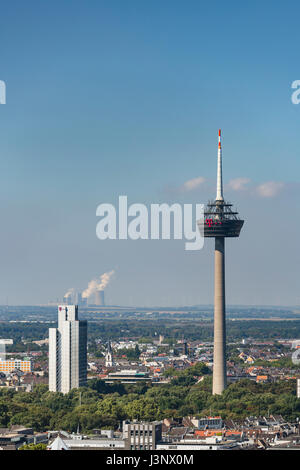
point(3, 343)
point(67, 351)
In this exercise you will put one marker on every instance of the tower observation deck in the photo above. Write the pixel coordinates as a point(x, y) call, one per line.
point(220, 221)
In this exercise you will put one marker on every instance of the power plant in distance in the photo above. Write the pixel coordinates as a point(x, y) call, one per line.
point(93, 295)
point(96, 299)
point(220, 221)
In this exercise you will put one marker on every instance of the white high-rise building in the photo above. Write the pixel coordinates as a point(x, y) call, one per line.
point(67, 351)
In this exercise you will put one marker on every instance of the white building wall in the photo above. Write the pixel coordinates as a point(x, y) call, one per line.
point(67, 351)
point(65, 357)
point(53, 362)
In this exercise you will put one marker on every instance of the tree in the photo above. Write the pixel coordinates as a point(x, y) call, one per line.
point(33, 447)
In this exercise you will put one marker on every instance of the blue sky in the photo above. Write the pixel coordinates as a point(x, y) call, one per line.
point(126, 97)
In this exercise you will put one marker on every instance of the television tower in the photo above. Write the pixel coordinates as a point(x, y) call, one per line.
point(220, 222)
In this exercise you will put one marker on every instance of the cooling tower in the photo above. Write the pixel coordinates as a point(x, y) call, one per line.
point(99, 298)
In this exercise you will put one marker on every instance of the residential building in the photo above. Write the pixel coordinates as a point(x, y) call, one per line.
point(13, 364)
point(142, 435)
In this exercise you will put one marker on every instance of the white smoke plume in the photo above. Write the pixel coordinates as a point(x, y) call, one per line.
point(97, 284)
point(69, 292)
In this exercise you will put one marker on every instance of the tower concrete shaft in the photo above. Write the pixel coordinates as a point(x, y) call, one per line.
point(219, 368)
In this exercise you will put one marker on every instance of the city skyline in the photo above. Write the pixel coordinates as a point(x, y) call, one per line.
point(118, 99)
point(140, 141)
